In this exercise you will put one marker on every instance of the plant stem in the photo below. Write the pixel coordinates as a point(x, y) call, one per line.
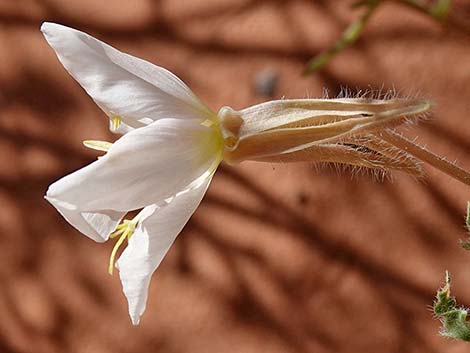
point(439, 11)
point(349, 37)
point(427, 156)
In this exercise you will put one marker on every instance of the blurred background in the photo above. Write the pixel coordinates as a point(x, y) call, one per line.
point(278, 258)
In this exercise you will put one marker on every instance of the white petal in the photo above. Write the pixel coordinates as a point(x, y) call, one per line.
point(96, 225)
point(122, 85)
point(150, 243)
point(144, 166)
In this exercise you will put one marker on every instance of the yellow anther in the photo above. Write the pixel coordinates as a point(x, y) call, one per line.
point(98, 145)
point(115, 122)
point(123, 231)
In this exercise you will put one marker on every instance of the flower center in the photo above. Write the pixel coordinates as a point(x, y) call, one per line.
point(212, 142)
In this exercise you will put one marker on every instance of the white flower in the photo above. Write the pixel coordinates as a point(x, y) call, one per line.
point(172, 145)
point(163, 163)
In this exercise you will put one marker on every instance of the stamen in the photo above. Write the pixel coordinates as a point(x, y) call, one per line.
point(119, 230)
point(98, 145)
point(115, 122)
point(125, 231)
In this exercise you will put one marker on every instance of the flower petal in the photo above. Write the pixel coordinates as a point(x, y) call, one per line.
point(122, 85)
point(151, 242)
point(96, 225)
point(144, 166)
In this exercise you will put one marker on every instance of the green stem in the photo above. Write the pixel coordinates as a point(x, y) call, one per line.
point(439, 10)
point(349, 37)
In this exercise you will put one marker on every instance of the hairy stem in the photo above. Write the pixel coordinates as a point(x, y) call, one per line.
point(425, 155)
point(465, 243)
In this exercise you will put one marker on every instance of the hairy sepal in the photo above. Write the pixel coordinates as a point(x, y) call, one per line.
point(321, 130)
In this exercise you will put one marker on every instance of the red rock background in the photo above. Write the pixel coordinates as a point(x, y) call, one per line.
point(277, 258)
